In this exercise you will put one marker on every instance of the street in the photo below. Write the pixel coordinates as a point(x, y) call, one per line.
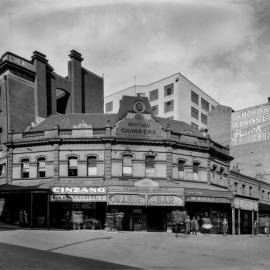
point(42, 249)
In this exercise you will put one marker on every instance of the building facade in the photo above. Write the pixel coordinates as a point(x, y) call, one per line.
point(174, 97)
point(247, 132)
point(30, 90)
point(133, 164)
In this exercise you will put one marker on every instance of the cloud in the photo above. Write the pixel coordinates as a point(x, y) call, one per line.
point(223, 46)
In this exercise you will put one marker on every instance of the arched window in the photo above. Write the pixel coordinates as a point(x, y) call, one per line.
point(25, 168)
point(195, 169)
point(41, 167)
point(250, 191)
point(221, 172)
point(127, 165)
point(149, 166)
point(181, 169)
point(92, 166)
point(72, 166)
point(235, 187)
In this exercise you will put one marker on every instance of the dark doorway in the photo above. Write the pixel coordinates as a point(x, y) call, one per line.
point(156, 219)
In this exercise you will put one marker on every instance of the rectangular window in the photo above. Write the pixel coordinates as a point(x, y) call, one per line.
point(109, 106)
point(194, 97)
point(168, 90)
point(181, 168)
point(250, 191)
point(205, 104)
point(194, 113)
point(153, 95)
point(25, 168)
point(127, 165)
point(235, 187)
point(194, 125)
point(168, 106)
point(92, 166)
point(204, 118)
point(155, 110)
point(2, 169)
point(73, 166)
point(149, 166)
point(41, 167)
point(195, 168)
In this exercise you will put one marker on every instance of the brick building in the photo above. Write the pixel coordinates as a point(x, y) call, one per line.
point(30, 90)
point(132, 163)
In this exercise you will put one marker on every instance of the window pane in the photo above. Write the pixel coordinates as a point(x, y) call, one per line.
point(92, 161)
point(194, 113)
point(127, 161)
point(72, 162)
point(204, 118)
point(149, 162)
point(181, 164)
point(149, 172)
point(168, 90)
point(127, 170)
point(92, 171)
point(205, 104)
point(153, 95)
point(109, 106)
point(194, 98)
point(169, 106)
point(195, 167)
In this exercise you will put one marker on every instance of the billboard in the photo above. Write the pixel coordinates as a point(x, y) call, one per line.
point(251, 125)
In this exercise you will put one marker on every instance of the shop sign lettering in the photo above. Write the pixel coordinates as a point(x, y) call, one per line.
point(78, 198)
point(165, 200)
point(79, 190)
point(207, 199)
point(127, 199)
point(245, 204)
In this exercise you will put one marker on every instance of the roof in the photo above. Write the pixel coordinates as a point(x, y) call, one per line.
point(99, 121)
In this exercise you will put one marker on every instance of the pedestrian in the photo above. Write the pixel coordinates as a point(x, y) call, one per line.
point(25, 217)
point(225, 226)
point(21, 217)
point(193, 225)
point(266, 228)
point(255, 227)
point(187, 223)
point(196, 225)
point(67, 219)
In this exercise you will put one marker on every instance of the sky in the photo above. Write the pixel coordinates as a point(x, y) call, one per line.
point(223, 46)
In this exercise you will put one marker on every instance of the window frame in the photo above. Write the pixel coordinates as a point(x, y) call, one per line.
point(39, 175)
point(106, 105)
point(91, 167)
point(169, 108)
point(124, 173)
point(150, 171)
point(169, 87)
point(153, 95)
point(205, 105)
point(71, 172)
point(25, 174)
point(194, 110)
point(194, 97)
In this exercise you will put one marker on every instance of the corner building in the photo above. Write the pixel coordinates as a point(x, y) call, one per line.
point(131, 162)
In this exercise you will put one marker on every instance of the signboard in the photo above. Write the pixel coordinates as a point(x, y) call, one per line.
point(127, 199)
point(251, 125)
point(245, 204)
point(165, 200)
point(78, 198)
point(139, 125)
point(207, 199)
point(79, 190)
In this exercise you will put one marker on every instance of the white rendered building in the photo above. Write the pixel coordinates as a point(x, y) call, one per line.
point(174, 97)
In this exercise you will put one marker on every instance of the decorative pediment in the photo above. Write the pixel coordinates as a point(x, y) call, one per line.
point(82, 124)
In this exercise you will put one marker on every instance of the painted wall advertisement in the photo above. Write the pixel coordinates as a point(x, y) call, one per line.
point(251, 125)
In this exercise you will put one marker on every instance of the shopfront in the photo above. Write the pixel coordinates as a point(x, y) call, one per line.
point(146, 205)
point(89, 203)
point(246, 212)
point(209, 208)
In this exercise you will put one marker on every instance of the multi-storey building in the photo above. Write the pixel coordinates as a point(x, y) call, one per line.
point(174, 97)
point(131, 163)
point(30, 90)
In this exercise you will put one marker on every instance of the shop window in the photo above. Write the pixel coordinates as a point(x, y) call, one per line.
point(92, 166)
point(73, 166)
point(194, 97)
point(181, 169)
point(25, 168)
point(205, 105)
point(168, 106)
point(109, 106)
point(2, 169)
point(155, 110)
point(194, 113)
point(127, 165)
point(41, 167)
point(195, 168)
point(153, 95)
point(149, 166)
point(168, 90)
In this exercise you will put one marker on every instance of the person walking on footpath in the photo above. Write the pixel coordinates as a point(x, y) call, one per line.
point(187, 223)
point(255, 227)
point(193, 225)
point(196, 225)
point(67, 219)
point(225, 226)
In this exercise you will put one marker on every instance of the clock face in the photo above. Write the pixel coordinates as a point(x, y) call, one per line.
point(139, 107)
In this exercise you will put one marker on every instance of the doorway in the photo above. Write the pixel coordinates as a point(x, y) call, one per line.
point(156, 219)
